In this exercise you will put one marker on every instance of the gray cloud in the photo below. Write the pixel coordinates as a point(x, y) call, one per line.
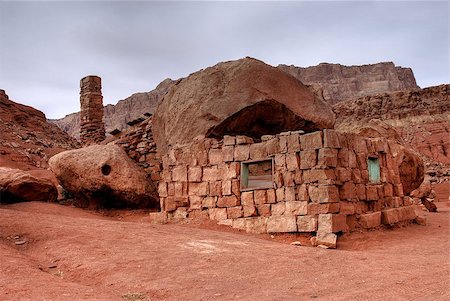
point(47, 47)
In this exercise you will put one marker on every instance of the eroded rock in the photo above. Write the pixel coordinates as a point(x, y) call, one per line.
point(104, 176)
point(19, 186)
point(243, 97)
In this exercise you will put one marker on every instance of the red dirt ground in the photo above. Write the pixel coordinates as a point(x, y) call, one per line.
point(72, 254)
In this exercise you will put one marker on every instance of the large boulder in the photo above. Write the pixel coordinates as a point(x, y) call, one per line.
point(104, 176)
point(245, 97)
point(20, 186)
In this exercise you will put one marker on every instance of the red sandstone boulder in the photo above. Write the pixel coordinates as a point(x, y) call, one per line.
point(20, 186)
point(243, 97)
point(104, 176)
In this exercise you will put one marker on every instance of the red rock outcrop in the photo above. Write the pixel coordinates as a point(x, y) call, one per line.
point(104, 176)
point(340, 82)
point(117, 116)
point(19, 186)
point(243, 97)
point(27, 139)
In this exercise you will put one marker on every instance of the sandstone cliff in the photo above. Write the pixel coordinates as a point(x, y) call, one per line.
point(27, 139)
point(349, 82)
point(117, 116)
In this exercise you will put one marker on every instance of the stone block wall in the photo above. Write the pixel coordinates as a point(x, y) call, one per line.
point(320, 183)
point(139, 144)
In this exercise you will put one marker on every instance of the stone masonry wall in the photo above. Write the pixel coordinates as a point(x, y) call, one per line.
point(139, 144)
point(320, 184)
point(91, 115)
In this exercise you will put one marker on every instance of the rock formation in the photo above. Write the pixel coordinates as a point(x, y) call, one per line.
point(91, 116)
point(27, 139)
point(117, 116)
point(104, 176)
point(238, 97)
point(340, 82)
point(19, 186)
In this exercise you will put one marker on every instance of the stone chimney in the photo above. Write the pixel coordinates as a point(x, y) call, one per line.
point(91, 115)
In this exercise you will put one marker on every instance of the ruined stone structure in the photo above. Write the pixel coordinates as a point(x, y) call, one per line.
point(325, 182)
point(91, 117)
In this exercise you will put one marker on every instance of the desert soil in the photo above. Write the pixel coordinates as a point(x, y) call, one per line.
point(54, 252)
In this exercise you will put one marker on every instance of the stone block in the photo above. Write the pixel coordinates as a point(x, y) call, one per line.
point(328, 240)
point(370, 220)
point(215, 156)
point(280, 162)
point(264, 210)
point(260, 197)
point(240, 139)
point(308, 159)
point(215, 188)
point(267, 137)
point(162, 189)
point(209, 202)
point(361, 192)
point(359, 145)
point(247, 198)
point(327, 157)
point(280, 194)
point(283, 147)
point(332, 223)
point(352, 159)
point(217, 214)
point(235, 187)
point(343, 174)
point(315, 175)
point(227, 187)
point(371, 193)
point(234, 212)
point(171, 189)
point(158, 217)
point(282, 223)
point(228, 153)
point(249, 210)
point(311, 141)
point(258, 151)
point(278, 179)
point(278, 208)
point(271, 196)
point(292, 162)
point(331, 139)
point(210, 174)
point(229, 140)
point(179, 173)
point(347, 208)
point(228, 201)
point(289, 194)
point(298, 177)
point(289, 178)
point(195, 202)
point(302, 193)
point(356, 176)
point(180, 188)
point(272, 147)
point(306, 223)
point(398, 190)
point(296, 208)
point(241, 152)
point(293, 143)
point(390, 216)
point(251, 224)
point(200, 189)
point(408, 213)
point(315, 208)
point(323, 194)
point(195, 174)
point(229, 171)
point(347, 191)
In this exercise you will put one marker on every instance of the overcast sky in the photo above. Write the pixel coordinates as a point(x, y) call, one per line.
point(47, 47)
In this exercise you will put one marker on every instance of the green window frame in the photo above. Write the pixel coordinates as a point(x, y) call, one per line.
point(249, 182)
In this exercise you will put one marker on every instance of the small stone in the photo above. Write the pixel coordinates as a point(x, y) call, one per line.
point(296, 243)
point(20, 242)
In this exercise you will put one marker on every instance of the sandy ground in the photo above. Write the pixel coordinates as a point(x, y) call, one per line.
point(53, 252)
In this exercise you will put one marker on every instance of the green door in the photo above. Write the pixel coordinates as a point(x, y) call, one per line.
point(374, 169)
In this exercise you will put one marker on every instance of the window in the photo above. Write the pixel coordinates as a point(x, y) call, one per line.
point(256, 174)
point(373, 165)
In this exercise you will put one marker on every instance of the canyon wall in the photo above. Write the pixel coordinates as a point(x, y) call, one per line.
point(340, 82)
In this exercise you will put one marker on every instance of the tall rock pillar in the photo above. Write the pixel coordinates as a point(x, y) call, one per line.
point(91, 116)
